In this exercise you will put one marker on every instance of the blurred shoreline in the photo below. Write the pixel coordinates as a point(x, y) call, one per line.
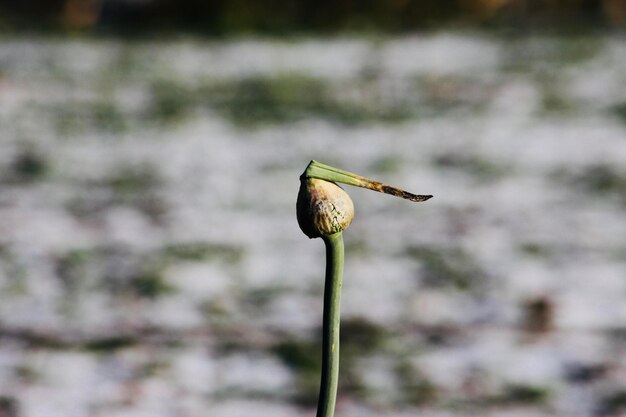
point(220, 18)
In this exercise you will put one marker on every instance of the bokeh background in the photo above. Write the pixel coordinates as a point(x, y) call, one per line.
point(150, 260)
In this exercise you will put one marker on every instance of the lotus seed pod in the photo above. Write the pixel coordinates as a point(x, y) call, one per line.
point(323, 208)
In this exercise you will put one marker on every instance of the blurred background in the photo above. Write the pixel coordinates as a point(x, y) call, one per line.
point(150, 260)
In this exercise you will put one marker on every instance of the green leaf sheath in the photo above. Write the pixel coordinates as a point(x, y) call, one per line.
point(327, 173)
point(330, 338)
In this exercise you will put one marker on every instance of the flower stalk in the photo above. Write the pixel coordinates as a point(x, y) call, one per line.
point(325, 210)
point(330, 325)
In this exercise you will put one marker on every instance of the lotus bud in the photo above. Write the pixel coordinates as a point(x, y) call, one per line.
point(323, 208)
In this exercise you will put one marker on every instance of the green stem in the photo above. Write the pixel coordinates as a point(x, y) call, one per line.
point(330, 338)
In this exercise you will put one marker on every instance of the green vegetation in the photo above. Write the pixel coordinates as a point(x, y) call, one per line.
point(135, 274)
point(128, 181)
point(278, 100)
point(304, 359)
point(535, 249)
point(523, 394)
point(108, 344)
point(446, 93)
point(170, 101)
point(613, 404)
point(204, 251)
point(479, 168)
point(138, 274)
point(598, 179)
point(150, 283)
point(79, 117)
point(26, 373)
point(73, 270)
point(549, 54)
point(257, 300)
point(285, 99)
point(360, 336)
point(447, 267)
point(9, 406)
point(577, 49)
point(260, 100)
point(70, 268)
point(386, 164)
point(358, 248)
point(29, 165)
point(137, 186)
point(415, 388)
point(620, 111)
point(555, 102)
